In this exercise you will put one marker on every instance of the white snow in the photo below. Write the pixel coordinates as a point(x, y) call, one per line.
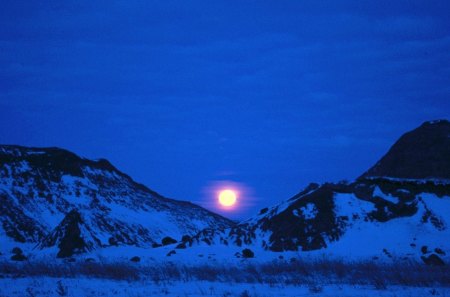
point(377, 192)
point(366, 239)
point(348, 205)
point(439, 206)
point(159, 222)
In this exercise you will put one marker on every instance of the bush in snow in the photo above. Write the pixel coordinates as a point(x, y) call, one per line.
point(433, 260)
point(18, 255)
point(248, 253)
point(135, 259)
point(168, 240)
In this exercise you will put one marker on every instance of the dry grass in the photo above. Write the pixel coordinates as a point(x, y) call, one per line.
point(117, 271)
point(311, 273)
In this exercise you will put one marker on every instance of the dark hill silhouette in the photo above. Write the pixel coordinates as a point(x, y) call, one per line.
point(423, 153)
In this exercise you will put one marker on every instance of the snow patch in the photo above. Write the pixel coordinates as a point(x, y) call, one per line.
point(348, 205)
point(378, 193)
point(308, 212)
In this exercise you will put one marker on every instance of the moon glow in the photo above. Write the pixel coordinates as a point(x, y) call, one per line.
point(227, 198)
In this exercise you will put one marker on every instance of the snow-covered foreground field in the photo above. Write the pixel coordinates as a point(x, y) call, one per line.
point(247, 278)
point(46, 286)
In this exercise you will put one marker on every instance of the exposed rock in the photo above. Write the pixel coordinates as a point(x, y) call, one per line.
point(263, 211)
point(16, 224)
point(186, 238)
point(18, 254)
point(291, 230)
point(181, 246)
point(18, 257)
point(439, 251)
point(424, 249)
point(112, 241)
point(17, 250)
point(72, 236)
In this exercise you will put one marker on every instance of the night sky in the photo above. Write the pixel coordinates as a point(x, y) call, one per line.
point(182, 95)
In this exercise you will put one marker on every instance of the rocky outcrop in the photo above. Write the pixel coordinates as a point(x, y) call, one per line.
point(71, 236)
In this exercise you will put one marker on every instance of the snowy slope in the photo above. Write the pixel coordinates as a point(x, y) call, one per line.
point(364, 219)
point(51, 194)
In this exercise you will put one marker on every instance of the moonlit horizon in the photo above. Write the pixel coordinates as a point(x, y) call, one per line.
point(271, 95)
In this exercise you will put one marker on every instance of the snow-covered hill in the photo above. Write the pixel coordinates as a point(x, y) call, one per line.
point(50, 197)
point(366, 218)
point(399, 208)
point(53, 200)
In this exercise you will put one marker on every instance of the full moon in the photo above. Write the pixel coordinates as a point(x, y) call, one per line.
point(227, 198)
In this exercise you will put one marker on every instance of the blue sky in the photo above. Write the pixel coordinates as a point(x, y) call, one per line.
point(271, 95)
